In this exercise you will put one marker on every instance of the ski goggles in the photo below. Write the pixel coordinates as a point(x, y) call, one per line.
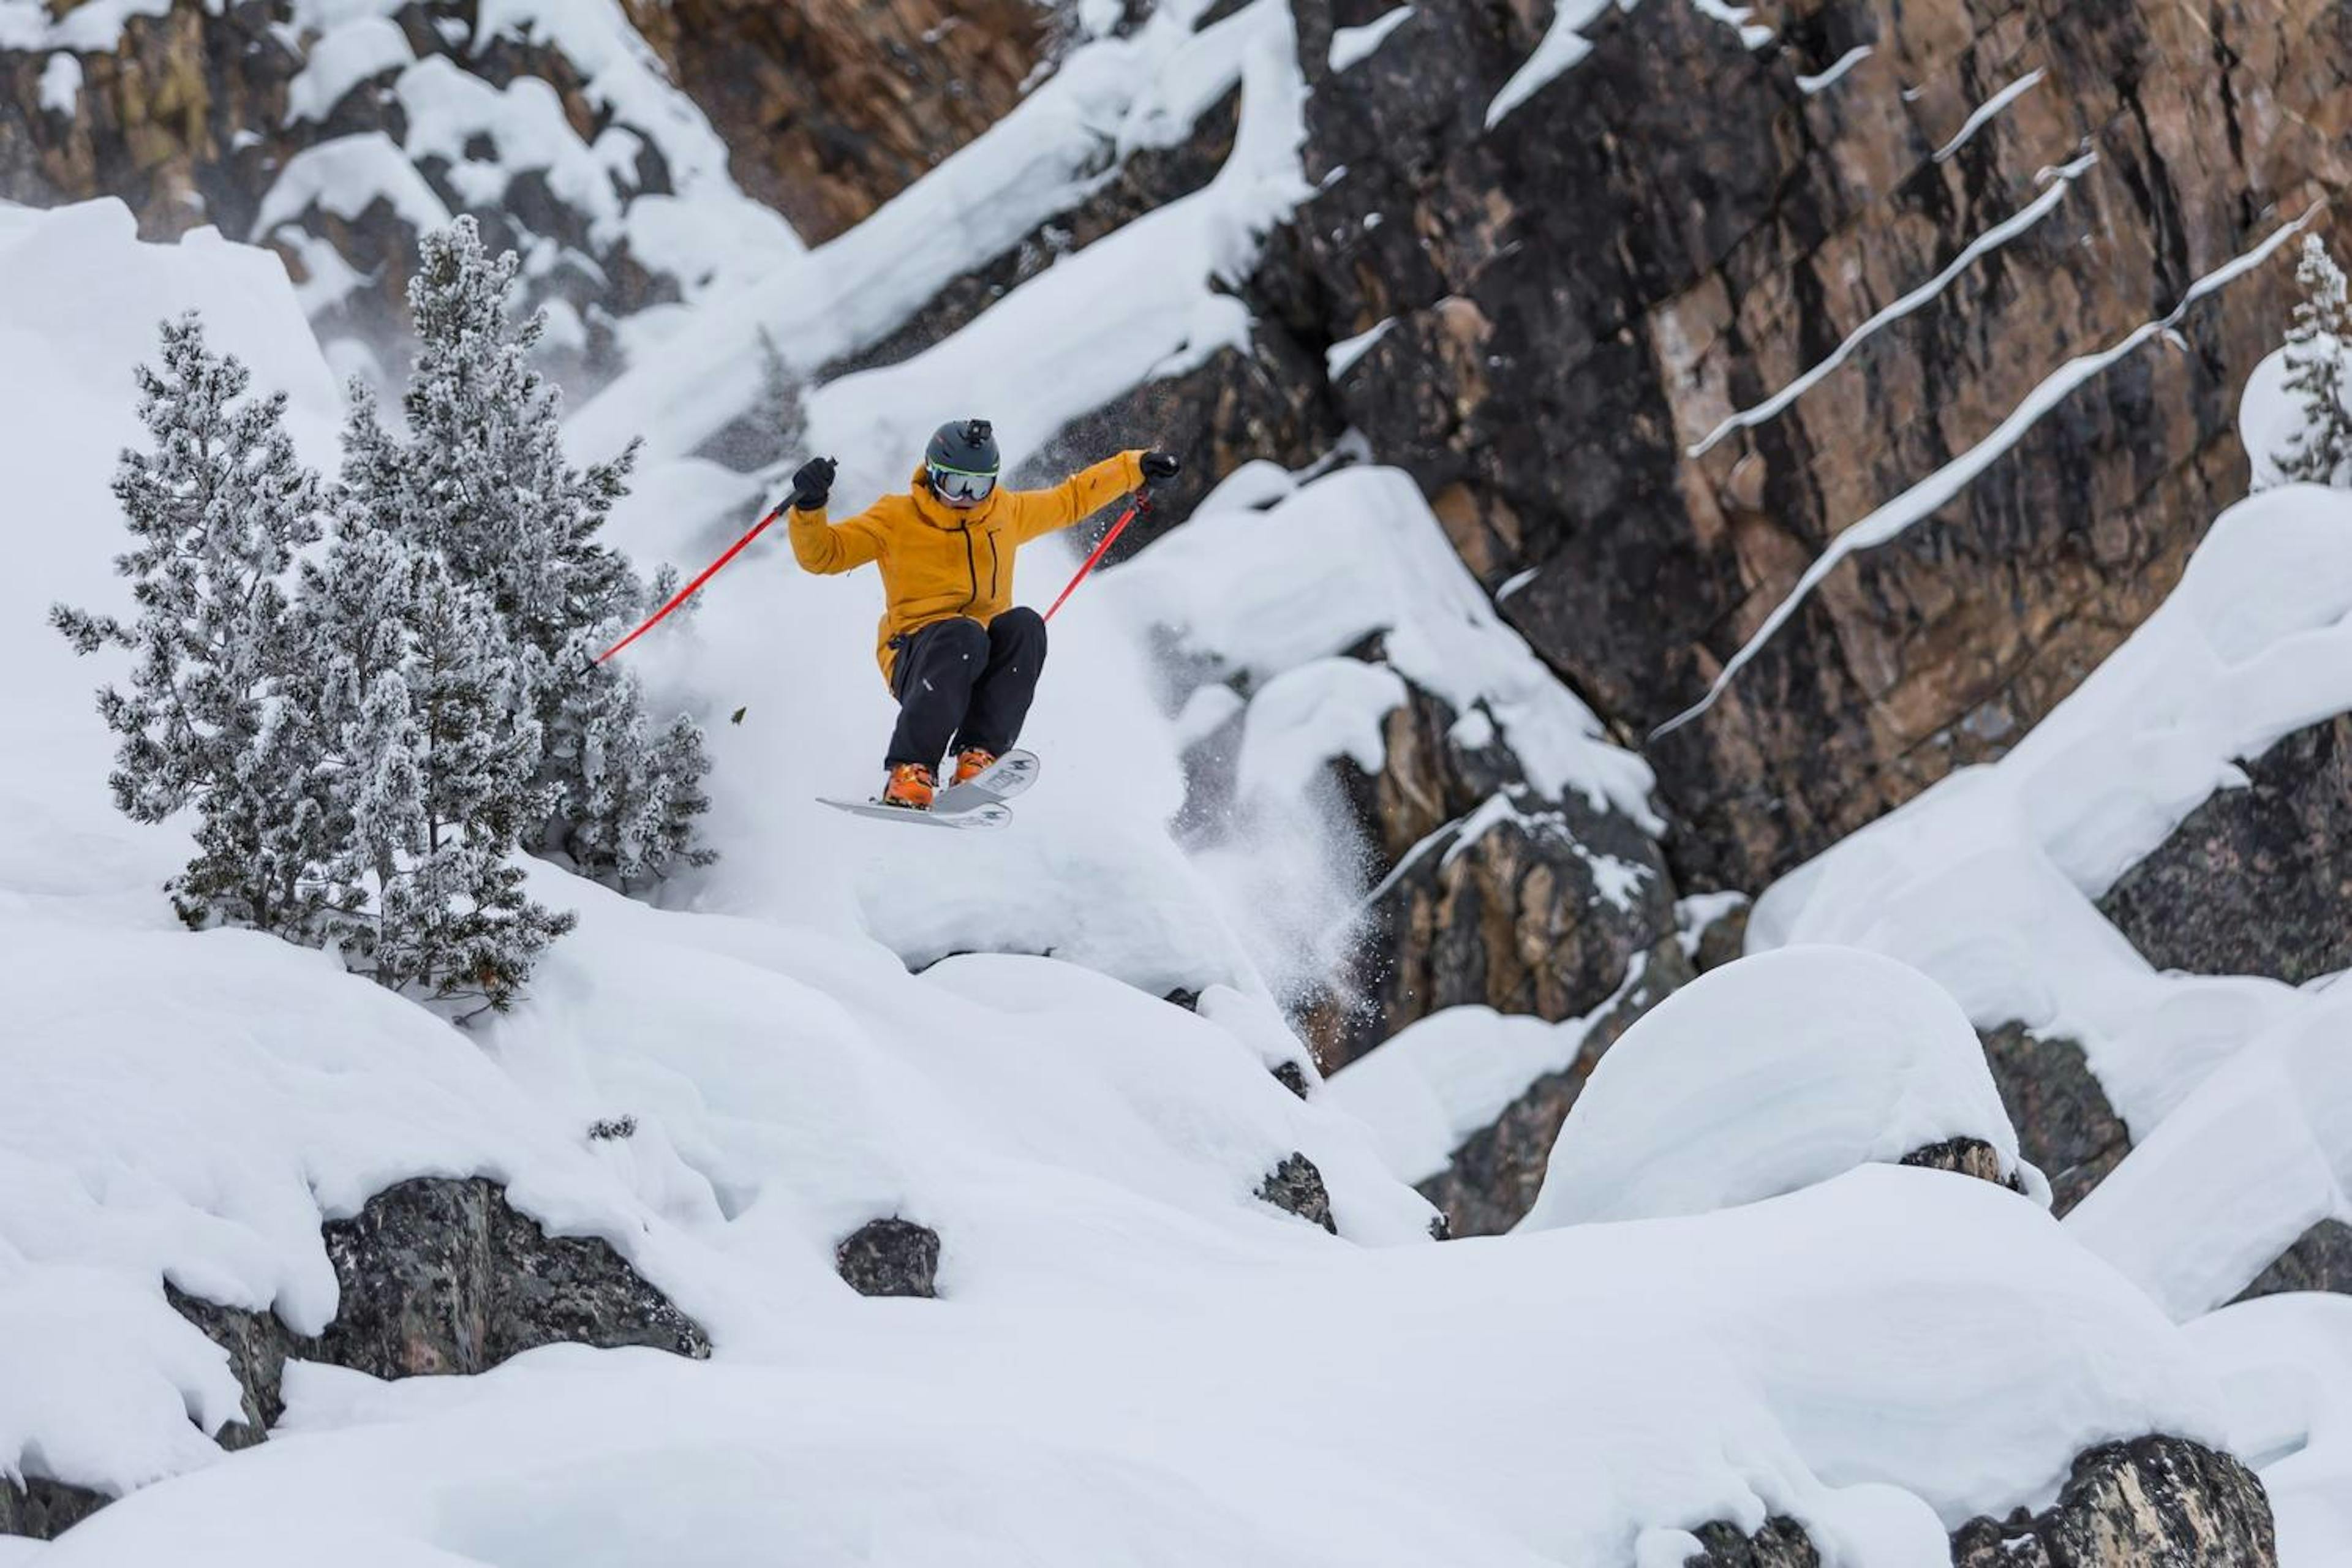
point(957, 484)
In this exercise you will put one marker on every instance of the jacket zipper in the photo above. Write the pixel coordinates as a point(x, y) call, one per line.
point(971, 568)
point(996, 562)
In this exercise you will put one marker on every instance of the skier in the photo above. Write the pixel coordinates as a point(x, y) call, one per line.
point(960, 658)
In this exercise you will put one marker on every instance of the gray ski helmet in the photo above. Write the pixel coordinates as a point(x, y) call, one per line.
point(963, 460)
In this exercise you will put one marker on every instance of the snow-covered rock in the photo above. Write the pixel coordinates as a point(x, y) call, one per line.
point(1770, 1074)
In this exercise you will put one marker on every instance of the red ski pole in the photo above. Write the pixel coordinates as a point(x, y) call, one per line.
point(1141, 503)
point(687, 592)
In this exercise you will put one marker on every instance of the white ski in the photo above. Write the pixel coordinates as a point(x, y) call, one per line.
point(986, 814)
point(978, 802)
point(1011, 774)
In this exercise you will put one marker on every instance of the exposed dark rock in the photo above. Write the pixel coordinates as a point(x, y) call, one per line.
point(1965, 1157)
point(1292, 1077)
point(258, 1348)
point(45, 1509)
point(442, 1276)
point(1493, 1178)
point(1188, 1000)
point(1507, 907)
point(1781, 1544)
point(2064, 1124)
point(2321, 1259)
point(1295, 1186)
point(2256, 880)
point(610, 1129)
point(1723, 939)
point(890, 1256)
point(2156, 1502)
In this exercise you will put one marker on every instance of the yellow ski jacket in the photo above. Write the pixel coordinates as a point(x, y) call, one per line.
point(939, 562)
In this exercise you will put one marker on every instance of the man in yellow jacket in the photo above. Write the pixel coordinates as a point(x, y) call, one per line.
point(959, 657)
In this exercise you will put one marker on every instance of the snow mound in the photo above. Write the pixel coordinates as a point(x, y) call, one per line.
point(1334, 561)
point(1770, 1074)
point(1986, 883)
point(2260, 1152)
point(1904, 1352)
point(2284, 1364)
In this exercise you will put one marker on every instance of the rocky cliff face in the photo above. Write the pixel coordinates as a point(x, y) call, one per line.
point(831, 108)
point(1677, 229)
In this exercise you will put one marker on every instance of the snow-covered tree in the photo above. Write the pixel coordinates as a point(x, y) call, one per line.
point(478, 478)
point(218, 506)
point(634, 818)
point(434, 780)
point(2319, 373)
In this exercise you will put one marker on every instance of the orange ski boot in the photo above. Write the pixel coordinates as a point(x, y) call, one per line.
point(910, 785)
point(971, 762)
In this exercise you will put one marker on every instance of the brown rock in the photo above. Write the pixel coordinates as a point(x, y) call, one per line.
point(1675, 231)
point(2130, 1505)
point(829, 108)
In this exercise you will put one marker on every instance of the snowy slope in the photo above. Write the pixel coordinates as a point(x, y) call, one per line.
point(1134, 1360)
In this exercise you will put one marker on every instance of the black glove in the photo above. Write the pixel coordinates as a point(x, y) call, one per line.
point(813, 483)
point(1161, 465)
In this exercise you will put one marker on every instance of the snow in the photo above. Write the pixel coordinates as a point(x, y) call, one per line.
point(1305, 717)
point(2285, 1368)
point(362, 48)
point(1988, 111)
point(1442, 1079)
point(1753, 35)
point(1984, 245)
point(94, 28)
point(1350, 45)
point(1768, 1075)
point(1341, 357)
point(962, 1433)
point(1813, 86)
point(61, 84)
point(1355, 554)
point(1894, 517)
point(345, 176)
point(1986, 883)
point(1562, 48)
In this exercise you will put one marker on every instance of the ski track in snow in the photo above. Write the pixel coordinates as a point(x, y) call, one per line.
point(1921, 500)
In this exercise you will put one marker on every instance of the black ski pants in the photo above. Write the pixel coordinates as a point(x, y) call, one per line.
point(960, 685)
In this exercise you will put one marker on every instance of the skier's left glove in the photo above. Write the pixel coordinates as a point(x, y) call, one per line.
point(812, 485)
point(1161, 466)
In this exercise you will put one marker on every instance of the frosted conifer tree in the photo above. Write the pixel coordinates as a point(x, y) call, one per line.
point(2319, 344)
point(478, 478)
point(436, 751)
point(218, 506)
point(640, 792)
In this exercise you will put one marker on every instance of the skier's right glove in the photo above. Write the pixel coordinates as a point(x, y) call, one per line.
point(1161, 465)
point(813, 484)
